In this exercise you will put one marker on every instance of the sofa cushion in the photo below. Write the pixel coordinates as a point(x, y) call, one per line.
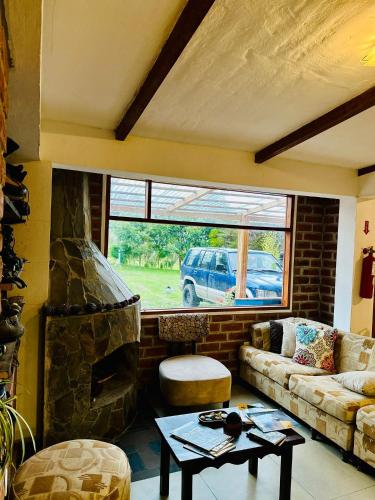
point(314, 346)
point(276, 336)
point(260, 332)
point(275, 366)
point(366, 421)
point(288, 346)
point(329, 395)
point(362, 382)
point(354, 352)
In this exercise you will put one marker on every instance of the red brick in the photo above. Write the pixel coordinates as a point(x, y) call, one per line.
point(220, 355)
point(214, 327)
point(300, 297)
point(221, 317)
point(238, 336)
point(229, 346)
point(155, 351)
point(215, 337)
point(311, 253)
point(313, 218)
point(244, 317)
point(311, 272)
point(208, 347)
point(312, 236)
point(231, 327)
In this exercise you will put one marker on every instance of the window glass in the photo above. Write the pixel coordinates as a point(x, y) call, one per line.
point(221, 262)
point(191, 257)
point(154, 227)
point(219, 206)
point(206, 261)
point(127, 198)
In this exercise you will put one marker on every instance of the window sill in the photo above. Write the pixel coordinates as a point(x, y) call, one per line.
point(154, 313)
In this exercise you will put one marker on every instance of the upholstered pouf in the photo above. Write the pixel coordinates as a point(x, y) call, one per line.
point(81, 469)
point(194, 380)
point(364, 436)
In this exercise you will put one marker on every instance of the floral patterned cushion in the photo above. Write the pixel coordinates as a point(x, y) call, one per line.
point(315, 347)
point(183, 327)
point(328, 395)
point(362, 382)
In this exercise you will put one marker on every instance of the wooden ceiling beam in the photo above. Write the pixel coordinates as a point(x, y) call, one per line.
point(366, 170)
point(334, 117)
point(185, 27)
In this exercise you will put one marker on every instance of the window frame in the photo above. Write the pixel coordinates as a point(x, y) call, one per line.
point(288, 230)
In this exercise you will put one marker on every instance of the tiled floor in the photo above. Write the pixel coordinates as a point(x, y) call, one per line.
point(318, 473)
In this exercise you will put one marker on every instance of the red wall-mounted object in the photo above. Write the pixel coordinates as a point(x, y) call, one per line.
point(367, 277)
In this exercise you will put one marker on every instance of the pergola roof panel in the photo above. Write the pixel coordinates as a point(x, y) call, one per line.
point(197, 204)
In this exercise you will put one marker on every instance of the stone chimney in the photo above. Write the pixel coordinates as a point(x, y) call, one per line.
point(92, 327)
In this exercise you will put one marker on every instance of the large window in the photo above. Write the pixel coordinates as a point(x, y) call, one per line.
point(184, 247)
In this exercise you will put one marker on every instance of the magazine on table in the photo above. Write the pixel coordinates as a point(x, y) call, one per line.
point(273, 437)
point(270, 422)
point(203, 438)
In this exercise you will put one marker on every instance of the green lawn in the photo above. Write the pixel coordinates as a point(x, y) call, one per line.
point(158, 288)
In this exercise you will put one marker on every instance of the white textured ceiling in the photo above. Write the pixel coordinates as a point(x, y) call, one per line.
point(254, 71)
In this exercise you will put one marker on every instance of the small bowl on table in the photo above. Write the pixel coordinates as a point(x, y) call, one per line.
point(213, 418)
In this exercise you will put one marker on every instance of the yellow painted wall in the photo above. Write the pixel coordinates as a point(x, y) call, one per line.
point(32, 242)
point(152, 157)
point(362, 309)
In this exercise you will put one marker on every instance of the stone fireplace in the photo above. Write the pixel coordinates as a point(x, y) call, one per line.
point(92, 327)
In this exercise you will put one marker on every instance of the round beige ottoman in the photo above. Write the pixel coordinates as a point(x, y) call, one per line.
point(79, 469)
point(194, 380)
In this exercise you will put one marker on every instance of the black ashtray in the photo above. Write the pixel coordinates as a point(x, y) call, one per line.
point(213, 418)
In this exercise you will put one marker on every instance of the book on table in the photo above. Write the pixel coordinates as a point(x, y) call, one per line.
point(212, 441)
point(273, 437)
point(270, 422)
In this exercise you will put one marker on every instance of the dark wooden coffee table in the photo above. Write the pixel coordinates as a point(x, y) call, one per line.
point(246, 450)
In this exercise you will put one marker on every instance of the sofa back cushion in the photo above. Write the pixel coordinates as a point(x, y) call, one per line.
point(260, 332)
point(354, 352)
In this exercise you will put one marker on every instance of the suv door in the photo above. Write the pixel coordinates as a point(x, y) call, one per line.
point(218, 279)
point(201, 277)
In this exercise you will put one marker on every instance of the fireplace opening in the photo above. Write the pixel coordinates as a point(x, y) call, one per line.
point(114, 375)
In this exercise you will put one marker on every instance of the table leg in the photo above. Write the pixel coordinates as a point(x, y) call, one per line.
point(253, 466)
point(164, 468)
point(186, 485)
point(286, 473)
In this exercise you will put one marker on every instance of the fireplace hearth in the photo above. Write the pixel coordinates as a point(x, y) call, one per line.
point(92, 327)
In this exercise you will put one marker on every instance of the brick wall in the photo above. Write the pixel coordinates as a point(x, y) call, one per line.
point(313, 292)
point(96, 193)
point(329, 253)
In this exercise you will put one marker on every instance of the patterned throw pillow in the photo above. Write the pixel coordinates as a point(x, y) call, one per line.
point(276, 336)
point(362, 382)
point(315, 347)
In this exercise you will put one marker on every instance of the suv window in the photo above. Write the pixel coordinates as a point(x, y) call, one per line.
point(221, 264)
point(206, 261)
point(191, 257)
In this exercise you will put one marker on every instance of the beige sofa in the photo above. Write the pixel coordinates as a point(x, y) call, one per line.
point(311, 394)
point(364, 435)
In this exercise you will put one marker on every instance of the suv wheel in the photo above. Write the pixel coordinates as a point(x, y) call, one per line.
point(189, 297)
